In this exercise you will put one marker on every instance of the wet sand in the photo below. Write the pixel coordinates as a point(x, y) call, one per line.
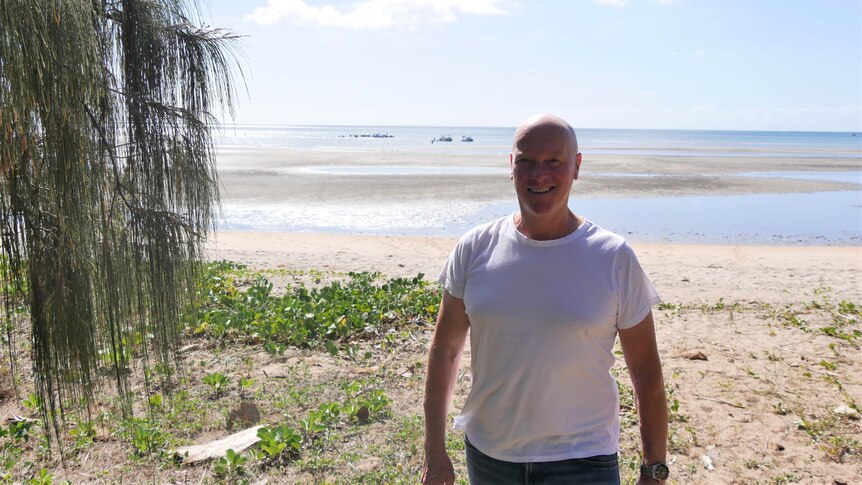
point(287, 176)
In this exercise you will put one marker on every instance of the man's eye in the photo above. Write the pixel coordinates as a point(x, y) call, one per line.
point(522, 161)
point(553, 162)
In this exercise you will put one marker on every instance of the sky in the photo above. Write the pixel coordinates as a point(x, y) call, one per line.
point(648, 64)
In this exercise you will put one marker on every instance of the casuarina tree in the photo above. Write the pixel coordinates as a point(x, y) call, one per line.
point(107, 182)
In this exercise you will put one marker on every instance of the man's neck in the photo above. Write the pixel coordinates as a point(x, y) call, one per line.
point(547, 228)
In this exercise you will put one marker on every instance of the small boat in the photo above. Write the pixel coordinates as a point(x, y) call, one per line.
point(466, 138)
point(444, 138)
point(372, 135)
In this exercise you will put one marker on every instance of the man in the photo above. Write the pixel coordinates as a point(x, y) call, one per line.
point(543, 293)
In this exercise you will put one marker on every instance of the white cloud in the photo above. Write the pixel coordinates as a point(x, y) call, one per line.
point(613, 3)
point(374, 14)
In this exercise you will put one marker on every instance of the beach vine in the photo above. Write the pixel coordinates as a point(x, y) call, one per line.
point(239, 304)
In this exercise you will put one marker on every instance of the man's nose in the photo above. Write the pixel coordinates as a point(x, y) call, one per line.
point(538, 171)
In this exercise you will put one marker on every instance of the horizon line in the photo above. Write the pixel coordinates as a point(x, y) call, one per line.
point(340, 125)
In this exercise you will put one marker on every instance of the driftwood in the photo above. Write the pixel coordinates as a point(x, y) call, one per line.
point(216, 449)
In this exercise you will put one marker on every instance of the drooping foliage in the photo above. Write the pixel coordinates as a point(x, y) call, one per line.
point(107, 180)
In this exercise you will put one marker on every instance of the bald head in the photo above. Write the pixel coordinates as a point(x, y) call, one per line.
point(546, 123)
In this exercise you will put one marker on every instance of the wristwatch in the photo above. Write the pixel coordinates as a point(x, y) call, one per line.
point(656, 471)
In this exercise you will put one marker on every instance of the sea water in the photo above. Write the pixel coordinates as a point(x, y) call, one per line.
point(591, 140)
point(804, 218)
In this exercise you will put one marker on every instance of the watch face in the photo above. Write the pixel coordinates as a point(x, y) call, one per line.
point(658, 471)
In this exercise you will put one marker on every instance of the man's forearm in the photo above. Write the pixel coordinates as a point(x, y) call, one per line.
point(642, 359)
point(439, 385)
point(652, 415)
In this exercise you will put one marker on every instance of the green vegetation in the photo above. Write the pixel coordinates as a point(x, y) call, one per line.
point(43, 478)
point(785, 478)
point(843, 322)
point(230, 467)
point(218, 383)
point(344, 406)
point(307, 317)
point(788, 317)
point(360, 314)
point(845, 318)
point(721, 305)
point(671, 309)
point(107, 182)
point(278, 443)
point(824, 432)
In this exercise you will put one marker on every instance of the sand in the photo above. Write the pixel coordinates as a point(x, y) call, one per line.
point(766, 404)
point(690, 273)
point(287, 176)
point(763, 377)
point(743, 407)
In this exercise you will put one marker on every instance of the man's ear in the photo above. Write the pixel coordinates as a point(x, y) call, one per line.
point(511, 166)
point(577, 164)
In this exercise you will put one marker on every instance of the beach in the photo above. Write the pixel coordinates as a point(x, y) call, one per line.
point(687, 273)
point(675, 197)
point(740, 335)
point(320, 182)
point(756, 340)
point(283, 175)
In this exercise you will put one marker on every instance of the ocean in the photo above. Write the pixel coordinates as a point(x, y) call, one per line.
point(820, 218)
point(591, 140)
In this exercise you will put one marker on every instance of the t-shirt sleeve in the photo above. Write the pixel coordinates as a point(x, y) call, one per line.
point(453, 274)
point(636, 292)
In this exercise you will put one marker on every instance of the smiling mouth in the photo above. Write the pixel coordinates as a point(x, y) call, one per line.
point(541, 191)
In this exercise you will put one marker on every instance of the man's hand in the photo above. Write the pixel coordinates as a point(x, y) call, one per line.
point(438, 470)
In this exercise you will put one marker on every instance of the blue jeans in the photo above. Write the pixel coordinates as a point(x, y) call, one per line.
point(484, 470)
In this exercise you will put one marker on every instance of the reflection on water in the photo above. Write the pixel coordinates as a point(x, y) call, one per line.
point(812, 218)
point(848, 177)
point(723, 153)
point(427, 218)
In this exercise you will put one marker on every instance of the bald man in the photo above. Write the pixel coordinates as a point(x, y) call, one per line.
point(543, 294)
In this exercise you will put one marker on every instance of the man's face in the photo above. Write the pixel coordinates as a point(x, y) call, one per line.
point(544, 163)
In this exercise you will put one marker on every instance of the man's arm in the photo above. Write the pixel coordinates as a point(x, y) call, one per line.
point(642, 360)
point(443, 359)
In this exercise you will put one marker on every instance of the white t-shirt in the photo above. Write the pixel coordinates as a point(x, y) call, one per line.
point(543, 320)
